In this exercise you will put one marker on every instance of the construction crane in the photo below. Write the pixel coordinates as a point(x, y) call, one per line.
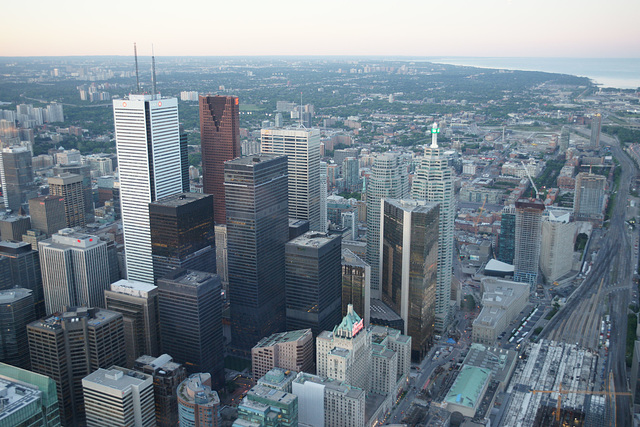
point(477, 220)
point(562, 391)
point(531, 180)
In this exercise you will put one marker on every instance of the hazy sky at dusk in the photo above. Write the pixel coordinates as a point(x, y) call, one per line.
point(524, 28)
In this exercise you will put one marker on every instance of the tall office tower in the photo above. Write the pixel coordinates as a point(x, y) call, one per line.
point(596, 123)
point(47, 214)
point(118, 397)
point(16, 312)
point(30, 399)
point(323, 196)
point(84, 170)
point(558, 239)
point(528, 232)
point(167, 375)
point(293, 350)
point(33, 237)
point(182, 233)
point(190, 312)
point(12, 227)
point(222, 255)
point(148, 145)
point(20, 267)
point(388, 180)
point(75, 270)
point(352, 363)
point(263, 404)
point(69, 346)
point(69, 187)
point(184, 160)
point(507, 239)
point(356, 285)
point(434, 183)
point(220, 141)
point(351, 174)
point(313, 281)
point(16, 176)
point(257, 230)
point(198, 404)
point(409, 233)
point(138, 304)
point(302, 148)
point(589, 197)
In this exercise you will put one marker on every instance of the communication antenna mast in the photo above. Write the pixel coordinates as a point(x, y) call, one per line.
point(300, 112)
point(153, 71)
point(135, 54)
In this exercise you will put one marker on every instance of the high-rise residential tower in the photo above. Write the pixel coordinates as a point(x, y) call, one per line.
point(190, 314)
point(148, 144)
point(198, 403)
point(16, 176)
point(302, 148)
point(313, 281)
point(590, 197)
point(409, 232)
point(528, 234)
point(220, 141)
point(596, 124)
point(84, 170)
point(69, 187)
point(75, 270)
point(507, 238)
point(558, 239)
point(434, 183)
point(388, 180)
point(182, 233)
point(351, 174)
point(257, 230)
point(138, 304)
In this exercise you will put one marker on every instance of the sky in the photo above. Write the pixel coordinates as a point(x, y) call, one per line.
point(493, 28)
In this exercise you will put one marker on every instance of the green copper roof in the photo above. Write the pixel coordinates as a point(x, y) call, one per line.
point(348, 322)
point(467, 388)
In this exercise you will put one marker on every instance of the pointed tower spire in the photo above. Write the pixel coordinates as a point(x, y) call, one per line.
point(435, 130)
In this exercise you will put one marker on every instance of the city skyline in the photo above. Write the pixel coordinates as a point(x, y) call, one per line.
point(490, 28)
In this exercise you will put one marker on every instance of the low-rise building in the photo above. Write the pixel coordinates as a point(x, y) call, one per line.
point(278, 379)
point(502, 301)
point(467, 390)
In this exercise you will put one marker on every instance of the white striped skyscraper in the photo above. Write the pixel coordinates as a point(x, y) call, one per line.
point(148, 145)
point(433, 182)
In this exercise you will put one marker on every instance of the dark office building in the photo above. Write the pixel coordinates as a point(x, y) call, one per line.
point(167, 375)
point(69, 188)
point(85, 172)
point(184, 159)
point(69, 346)
point(16, 176)
point(47, 214)
point(12, 227)
point(20, 267)
point(356, 285)
point(313, 270)
point(257, 230)
point(190, 313)
point(220, 141)
point(507, 238)
point(16, 312)
point(182, 233)
point(297, 227)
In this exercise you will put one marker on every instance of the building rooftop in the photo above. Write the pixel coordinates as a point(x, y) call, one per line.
point(95, 317)
point(411, 205)
point(180, 199)
point(351, 324)
point(254, 159)
point(272, 394)
point(313, 239)
point(379, 310)
point(10, 296)
point(499, 360)
point(195, 390)
point(495, 265)
point(132, 287)
point(282, 337)
point(15, 396)
point(349, 258)
point(115, 378)
point(68, 237)
point(468, 386)
point(277, 377)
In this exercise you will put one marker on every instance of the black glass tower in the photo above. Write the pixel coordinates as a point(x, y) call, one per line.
point(507, 239)
point(20, 267)
point(257, 231)
point(182, 233)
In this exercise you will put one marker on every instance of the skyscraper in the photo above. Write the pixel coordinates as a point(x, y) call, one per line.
point(313, 281)
point(118, 397)
point(184, 160)
point(507, 239)
point(69, 346)
point(257, 230)
point(409, 231)
point(16, 312)
point(16, 176)
point(69, 187)
point(84, 170)
point(589, 197)
point(198, 404)
point(190, 312)
point(182, 233)
point(148, 145)
point(302, 148)
point(47, 214)
point(220, 141)
point(434, 183)
point(558, 239)
point(75, 270)
point(20, 267)
point(138, 304)
point(596, 123)
point(323, 197)
point(388, 180)
point(356, 285)
point(351, 174)
point(528, 233)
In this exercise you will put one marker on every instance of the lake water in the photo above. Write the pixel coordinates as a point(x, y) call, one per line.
point(623, 73)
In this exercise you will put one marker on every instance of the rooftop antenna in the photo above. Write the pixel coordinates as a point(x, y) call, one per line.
point(153, 71)
point(300, 113)
point(135, 54)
